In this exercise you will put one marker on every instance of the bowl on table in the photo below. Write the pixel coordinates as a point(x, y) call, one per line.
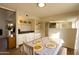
point(38, 47)
point(51, 44)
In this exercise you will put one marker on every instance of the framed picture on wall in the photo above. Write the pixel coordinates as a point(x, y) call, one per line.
point(52, 25)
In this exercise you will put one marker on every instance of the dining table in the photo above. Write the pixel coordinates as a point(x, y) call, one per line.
point(44, 50)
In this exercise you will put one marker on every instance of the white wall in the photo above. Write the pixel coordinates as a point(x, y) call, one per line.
point(63, 24)
point(77, 37)
point(21, 15)
point(66, 25)
point(61, 17)
point(68, 35)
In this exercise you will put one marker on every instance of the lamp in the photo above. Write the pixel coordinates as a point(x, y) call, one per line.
point(10, 26)
point(41, 4)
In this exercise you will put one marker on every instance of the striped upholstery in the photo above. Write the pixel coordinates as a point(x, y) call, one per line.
point(62, 51)
point(28, 49)
point(21, 49)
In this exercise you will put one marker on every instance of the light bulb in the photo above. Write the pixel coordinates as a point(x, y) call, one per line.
point(11, 24)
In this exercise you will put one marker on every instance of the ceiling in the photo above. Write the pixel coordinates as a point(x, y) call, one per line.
point(48, 10)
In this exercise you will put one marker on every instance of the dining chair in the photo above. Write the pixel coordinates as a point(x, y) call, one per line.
point(62, 51)
point(21, 48)
point(28, 49)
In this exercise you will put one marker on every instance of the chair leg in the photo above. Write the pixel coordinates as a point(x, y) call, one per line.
point(64, 51)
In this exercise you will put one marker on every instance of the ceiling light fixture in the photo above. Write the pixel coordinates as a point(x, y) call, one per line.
point(41, 4)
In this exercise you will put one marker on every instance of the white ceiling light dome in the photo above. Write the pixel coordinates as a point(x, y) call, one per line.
point(41, 4)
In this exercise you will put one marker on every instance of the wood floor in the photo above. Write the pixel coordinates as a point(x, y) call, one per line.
point(70, 51)
point(17, 52)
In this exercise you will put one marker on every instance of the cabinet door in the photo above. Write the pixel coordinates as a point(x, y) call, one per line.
point(11, 42)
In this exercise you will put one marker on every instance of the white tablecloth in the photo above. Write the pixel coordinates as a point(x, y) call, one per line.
point(47, 51)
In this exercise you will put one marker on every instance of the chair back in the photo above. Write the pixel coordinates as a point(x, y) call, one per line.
point(28, 49)
point(21, 47)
